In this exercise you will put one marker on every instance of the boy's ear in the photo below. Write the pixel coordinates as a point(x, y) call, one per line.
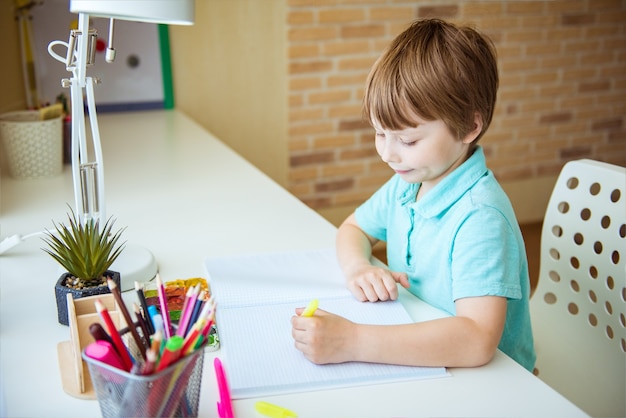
point(478, 127)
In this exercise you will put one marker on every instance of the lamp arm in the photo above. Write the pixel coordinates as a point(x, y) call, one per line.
point(78, 114)
point(87, 174)
point(97, 182)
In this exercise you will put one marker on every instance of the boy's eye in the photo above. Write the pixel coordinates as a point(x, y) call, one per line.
point(408, 141)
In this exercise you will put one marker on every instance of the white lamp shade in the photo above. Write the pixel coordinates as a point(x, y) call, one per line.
point(176, 12)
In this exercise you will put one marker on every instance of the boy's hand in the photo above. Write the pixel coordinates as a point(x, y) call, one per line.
point(324, 337)
point(372, 283)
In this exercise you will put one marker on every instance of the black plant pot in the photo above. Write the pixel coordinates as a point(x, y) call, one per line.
point(61, 292)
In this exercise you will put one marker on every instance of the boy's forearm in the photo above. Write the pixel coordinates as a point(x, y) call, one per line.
point(353, 248)
point(447, 342)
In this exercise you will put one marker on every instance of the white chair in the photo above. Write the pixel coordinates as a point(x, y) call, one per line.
point(579, 307)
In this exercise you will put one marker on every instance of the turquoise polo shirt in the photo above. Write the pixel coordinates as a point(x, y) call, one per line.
point(460, 240)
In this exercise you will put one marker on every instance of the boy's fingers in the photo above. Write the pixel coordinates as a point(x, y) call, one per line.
point(400, 278)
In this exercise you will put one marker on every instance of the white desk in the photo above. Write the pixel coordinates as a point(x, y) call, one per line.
point(184, 195)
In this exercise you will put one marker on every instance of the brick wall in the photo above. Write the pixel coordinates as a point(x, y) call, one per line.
point(562, 95)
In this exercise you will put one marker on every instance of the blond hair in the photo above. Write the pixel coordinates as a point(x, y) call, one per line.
point(436, 70)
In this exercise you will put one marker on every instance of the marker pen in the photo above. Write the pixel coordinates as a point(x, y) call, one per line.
point(105, 352)
point(171, 352)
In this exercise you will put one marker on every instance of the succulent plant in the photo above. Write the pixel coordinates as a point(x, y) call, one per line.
point(85, 250)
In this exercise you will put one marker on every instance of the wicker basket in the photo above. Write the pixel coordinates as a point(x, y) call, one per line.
point(34, 147)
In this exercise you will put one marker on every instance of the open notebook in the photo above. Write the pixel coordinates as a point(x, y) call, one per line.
point(256, 297)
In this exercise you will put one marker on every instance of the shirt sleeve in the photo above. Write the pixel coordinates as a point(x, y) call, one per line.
point(373, 214)
point(486, 256)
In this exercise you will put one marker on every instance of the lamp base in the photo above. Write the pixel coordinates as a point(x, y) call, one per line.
point(135, 264)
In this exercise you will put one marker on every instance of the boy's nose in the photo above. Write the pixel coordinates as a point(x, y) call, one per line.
point(387, 153)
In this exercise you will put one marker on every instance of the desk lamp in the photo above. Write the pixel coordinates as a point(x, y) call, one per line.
point(88, 170)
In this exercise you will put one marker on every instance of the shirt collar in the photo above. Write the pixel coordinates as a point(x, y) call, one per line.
point(448, 190)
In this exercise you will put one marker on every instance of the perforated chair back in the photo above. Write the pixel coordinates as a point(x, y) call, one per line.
point(579, 306)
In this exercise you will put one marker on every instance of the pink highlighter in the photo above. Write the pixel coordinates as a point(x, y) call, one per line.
point(105, 352)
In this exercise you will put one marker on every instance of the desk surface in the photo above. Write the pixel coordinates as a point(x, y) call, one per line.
point(185, 196)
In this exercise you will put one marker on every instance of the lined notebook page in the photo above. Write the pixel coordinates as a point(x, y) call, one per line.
point(256, 297)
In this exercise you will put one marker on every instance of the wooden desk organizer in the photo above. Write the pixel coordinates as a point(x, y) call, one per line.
point(81, 314)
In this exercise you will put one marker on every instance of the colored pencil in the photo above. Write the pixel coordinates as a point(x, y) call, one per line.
point(143, 325)
point(192, 336)
point(131, 324)
point(188, 306)
point(115, 335)
point(197, 309)
point(151, 360)
point(165, 314)
point(139, 289)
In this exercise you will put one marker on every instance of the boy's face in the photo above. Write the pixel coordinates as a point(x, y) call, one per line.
point(423, 154)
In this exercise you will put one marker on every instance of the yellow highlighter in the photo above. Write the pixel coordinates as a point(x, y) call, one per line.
point(273, 411)
point(310, 308)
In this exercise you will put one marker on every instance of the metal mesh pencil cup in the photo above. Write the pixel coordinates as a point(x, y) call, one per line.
point(172, 392)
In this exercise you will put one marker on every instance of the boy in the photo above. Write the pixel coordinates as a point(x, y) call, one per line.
point(452, 236)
